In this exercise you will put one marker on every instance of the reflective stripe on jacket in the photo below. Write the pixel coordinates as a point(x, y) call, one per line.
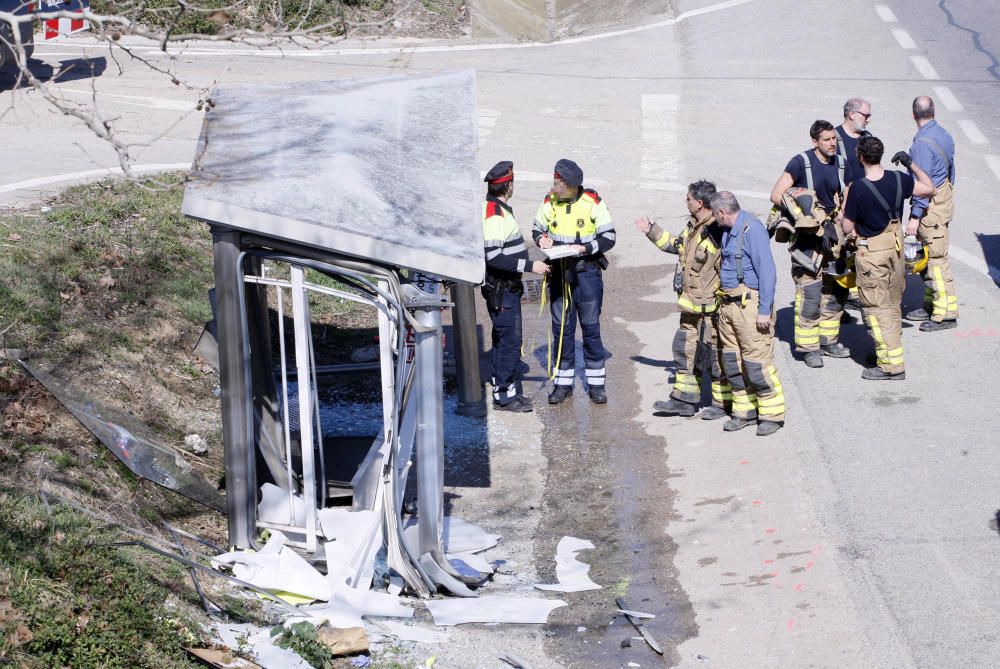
point(506, 251)
point(585, 220)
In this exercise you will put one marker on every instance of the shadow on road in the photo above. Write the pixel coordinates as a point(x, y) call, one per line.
point(991, 253)
point(68, 70)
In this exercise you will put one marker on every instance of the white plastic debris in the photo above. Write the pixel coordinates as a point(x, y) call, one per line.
point(492, 609)
point(257, 641)
point(459, 536)
point(570, 572)
point(278, 569)
point(406, 632)
point(274, 507)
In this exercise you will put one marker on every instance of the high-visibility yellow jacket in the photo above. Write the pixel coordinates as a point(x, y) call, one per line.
point(584, 220)
point(506, 252)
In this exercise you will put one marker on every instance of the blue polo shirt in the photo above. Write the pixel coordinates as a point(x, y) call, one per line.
point(926, 155)
point(759, 271)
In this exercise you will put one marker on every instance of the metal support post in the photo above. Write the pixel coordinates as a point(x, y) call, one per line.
point(430, 443)
point(237, 422)
point(471, 398)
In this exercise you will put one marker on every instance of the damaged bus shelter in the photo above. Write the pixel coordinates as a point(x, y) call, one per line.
point(366, 191)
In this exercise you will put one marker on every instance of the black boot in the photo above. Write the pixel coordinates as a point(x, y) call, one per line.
point(559, 394)
point(674, 407)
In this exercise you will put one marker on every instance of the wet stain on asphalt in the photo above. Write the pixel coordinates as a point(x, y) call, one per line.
point(715, 500)
point(607, 482)
point(754, 581)
point(705, 561)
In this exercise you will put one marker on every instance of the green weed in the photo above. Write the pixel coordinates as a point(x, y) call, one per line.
point(67, 599)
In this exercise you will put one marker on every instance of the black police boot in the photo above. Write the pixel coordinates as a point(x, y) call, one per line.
point(559, 395)
point(598, 395)
point(674, 407)
point(519, 404)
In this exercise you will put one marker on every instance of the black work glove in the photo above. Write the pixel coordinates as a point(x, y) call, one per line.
point(902, 158)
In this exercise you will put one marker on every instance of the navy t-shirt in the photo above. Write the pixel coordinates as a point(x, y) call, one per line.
point(847, 147)
point(869, 216)
point(826, 178)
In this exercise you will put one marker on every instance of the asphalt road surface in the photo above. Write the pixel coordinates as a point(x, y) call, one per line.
point(864, 533)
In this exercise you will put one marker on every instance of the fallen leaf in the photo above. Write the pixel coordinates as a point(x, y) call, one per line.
point(13, 237)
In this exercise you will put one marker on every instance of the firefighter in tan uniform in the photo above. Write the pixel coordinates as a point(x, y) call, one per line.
point(872, 216)
point(746, 319)
point(934, 151)
point(696, 347)
point(819, 298)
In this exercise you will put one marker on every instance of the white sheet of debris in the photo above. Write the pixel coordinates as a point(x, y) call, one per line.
point(258, 641)
point(570, 572)
point(492, 609)
point(277, 568)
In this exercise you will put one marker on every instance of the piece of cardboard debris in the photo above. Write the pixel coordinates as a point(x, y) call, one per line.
point(221, 659)
point(346, 641)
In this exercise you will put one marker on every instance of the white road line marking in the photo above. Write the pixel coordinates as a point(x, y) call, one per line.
point(487, 121)
point(904, 38)
point(137, 100)
point(994, 164)
point(378, 51)
point(973, 132)
point(949, 100)
point(885, 13)
point(677, 187)
point(102, 172)
point(659, 138)
point(924, 67)
point(975, 262)
point(524, 176)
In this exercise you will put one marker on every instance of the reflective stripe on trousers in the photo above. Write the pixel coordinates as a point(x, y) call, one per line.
point(748, 358)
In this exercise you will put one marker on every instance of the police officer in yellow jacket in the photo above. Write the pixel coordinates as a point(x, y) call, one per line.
point(506, 259)
point(574, 223)
point(696, 347)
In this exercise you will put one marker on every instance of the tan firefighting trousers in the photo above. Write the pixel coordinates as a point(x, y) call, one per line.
point(748, 359)
point(819, 304)
point(881, 274)
point(940, 299)
point(691, 365)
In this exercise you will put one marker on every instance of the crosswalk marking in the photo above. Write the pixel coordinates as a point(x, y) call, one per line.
point(885, 14)
point(924, 67)
point(904, 38)
point(659, 138)
point(948, 98)
point(973, 132)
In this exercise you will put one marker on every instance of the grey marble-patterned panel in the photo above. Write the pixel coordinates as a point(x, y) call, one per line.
point(383, 169)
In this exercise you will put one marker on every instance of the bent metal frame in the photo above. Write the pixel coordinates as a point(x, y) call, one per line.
point(272, 200)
